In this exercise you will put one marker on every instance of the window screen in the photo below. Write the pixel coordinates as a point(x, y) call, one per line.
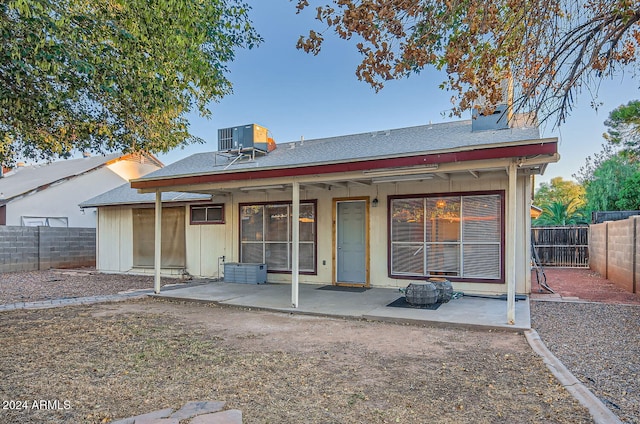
point(455, 236)
point(266, 235)
point(207, 214)
point(172, 239)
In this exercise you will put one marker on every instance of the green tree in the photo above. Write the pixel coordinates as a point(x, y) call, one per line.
point(558, 213)
point(551, 49)
point(603, 189)
point(112, 75)
point(629, 198)
point(624, 127)
point(559, 191)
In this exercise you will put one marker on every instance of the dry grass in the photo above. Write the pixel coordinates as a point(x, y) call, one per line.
point(119, 360)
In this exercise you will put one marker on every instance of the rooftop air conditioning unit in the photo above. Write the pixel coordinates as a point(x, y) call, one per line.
point(250, 136)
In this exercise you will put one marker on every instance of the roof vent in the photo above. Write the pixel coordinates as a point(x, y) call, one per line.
point(250, 136)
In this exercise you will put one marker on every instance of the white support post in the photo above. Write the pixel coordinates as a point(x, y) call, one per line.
point(511, 245)
point(157, 260)
point(295, 245)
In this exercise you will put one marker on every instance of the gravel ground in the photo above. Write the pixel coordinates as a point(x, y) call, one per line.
point(55, 284)
point(600, 344)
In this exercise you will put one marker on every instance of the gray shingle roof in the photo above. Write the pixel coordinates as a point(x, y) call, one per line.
point(443, 137)
point(125, 195)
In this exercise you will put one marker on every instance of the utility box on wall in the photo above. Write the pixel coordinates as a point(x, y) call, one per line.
point(245, 273)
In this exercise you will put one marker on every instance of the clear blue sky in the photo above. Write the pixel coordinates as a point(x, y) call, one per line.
point(295, 94)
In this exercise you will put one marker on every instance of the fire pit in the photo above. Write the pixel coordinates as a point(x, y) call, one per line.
point(421, 294)
point(444, 288)
point(435, 290)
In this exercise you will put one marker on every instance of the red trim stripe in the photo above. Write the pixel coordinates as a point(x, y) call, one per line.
point(548, 148)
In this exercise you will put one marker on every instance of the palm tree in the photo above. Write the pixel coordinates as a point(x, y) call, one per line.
point(558, 213)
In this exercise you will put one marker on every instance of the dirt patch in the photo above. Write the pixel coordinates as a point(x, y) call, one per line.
point(582, 284)
point(118, 360)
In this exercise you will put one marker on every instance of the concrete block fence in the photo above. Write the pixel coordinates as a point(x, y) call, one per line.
point(614, 252)
point(39, 248)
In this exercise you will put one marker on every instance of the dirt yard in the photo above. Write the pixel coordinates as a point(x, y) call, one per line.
point(112, 361)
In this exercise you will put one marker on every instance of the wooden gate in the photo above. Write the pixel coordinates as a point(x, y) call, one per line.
point(562, 246)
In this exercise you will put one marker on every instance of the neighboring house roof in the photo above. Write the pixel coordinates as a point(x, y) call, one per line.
point(25, 179)
point(535, 211)
point(125, 195)
point(438, 141)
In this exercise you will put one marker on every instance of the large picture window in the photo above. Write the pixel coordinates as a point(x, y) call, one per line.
point(459, 236)
point(266, 234)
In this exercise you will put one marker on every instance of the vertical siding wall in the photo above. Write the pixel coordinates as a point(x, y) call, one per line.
point(206, 244)
point(34, 248)
point(614, 252)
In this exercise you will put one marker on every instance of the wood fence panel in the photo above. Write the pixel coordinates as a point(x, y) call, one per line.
point(562, 246)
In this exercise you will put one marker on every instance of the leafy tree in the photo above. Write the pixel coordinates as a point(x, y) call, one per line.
point(551, 49)
point(629, 198)
point(592, 163)
point(112, 75)
point(603, 190)
point(624, 127)
point(560, 191)
point(558, 213)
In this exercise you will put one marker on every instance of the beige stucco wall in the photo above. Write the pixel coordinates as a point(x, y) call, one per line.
point(207, 243)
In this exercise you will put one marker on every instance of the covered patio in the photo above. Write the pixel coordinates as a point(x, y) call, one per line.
point(373, 211)
point(485, 312)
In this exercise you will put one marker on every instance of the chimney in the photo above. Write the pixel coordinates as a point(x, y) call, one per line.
point(501, 116)
point(86, 155)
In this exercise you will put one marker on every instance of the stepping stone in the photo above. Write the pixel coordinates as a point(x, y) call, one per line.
point(138, 419)
point(158, 421)
point(232, 416)
point(192, 409)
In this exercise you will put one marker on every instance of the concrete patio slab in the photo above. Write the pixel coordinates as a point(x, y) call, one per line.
point(371, 304)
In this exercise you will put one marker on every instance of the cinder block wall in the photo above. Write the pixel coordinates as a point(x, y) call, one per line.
point(34, 248)
point(18, 249)
point(614, 252)
point(620, 253)
point(598, 248)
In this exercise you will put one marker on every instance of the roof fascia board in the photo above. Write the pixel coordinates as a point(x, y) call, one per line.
point(148, 204)
point(492, 164)
point(540, 147)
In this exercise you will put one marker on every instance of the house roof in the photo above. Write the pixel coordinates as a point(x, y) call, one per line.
point(387, 147)
point(125, 195)
point(25, 179)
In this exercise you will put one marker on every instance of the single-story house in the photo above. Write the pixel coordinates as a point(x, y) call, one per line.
point(48, 194)
point(377, 209)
